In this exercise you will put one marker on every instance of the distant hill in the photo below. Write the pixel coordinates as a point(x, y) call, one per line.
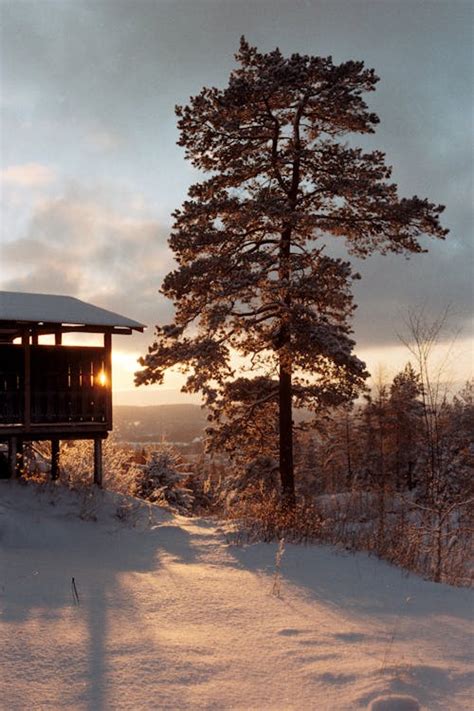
point(173, 423)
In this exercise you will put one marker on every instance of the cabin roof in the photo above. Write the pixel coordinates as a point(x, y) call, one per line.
point(26, 308)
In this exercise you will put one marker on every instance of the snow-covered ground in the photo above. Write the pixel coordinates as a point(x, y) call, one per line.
point(170, 616)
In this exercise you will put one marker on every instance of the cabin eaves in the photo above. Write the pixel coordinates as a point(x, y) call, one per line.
point(45, 309)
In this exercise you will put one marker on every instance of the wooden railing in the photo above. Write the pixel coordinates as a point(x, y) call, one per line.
point(65, 384)
point(12, 384)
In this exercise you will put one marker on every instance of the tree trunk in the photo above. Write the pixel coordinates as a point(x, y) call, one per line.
point(286, 435)
point(284, 273)
point(285, 373)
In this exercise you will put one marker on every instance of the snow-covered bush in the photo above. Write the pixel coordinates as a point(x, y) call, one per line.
point(159, 480)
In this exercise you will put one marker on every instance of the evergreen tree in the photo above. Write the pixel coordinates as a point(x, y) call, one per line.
point(252, 276)
point(161, 481)
point(374, 428)
point(339, 459)
point(405, 413)
point(460, 443)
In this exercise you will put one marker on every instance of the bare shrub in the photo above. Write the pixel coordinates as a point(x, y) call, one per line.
point(414, 538)
point(267, 520)
point(119, 466)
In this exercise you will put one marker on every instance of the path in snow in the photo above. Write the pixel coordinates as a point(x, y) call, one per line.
point(172, 617)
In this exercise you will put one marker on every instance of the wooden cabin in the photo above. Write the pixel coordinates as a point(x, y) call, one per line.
point(51, 391)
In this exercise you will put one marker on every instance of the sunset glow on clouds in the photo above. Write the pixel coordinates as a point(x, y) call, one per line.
point(29, 175)
point(91, 173)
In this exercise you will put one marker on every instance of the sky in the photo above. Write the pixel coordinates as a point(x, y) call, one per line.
point(90, 169)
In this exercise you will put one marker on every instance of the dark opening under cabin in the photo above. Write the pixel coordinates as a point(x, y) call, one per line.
point(48, 390)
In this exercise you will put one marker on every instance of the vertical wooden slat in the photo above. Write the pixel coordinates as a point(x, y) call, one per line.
point(27, 378)
point(50, 384)
point(75, 359)
point(91, 393)
point(84, 388)
point(11, 383)
point(108, 384)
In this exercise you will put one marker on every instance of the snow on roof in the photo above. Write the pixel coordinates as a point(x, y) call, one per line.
point(52, 308)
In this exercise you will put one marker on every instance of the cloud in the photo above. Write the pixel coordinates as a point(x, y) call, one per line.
point(98, 246)
point(102, 140)
point(391, 285)
point(28, 175)
point(50, 279)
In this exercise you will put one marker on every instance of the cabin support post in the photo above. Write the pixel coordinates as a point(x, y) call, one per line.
point(54, 459)
point(12, 449)
point(98, 461)
point(20, 461)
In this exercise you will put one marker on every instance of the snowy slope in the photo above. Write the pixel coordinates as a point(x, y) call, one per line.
point(170, 616)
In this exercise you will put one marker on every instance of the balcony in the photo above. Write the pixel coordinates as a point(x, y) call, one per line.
point(60, 388)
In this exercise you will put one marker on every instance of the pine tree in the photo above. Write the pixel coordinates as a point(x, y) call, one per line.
point(252, 275)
